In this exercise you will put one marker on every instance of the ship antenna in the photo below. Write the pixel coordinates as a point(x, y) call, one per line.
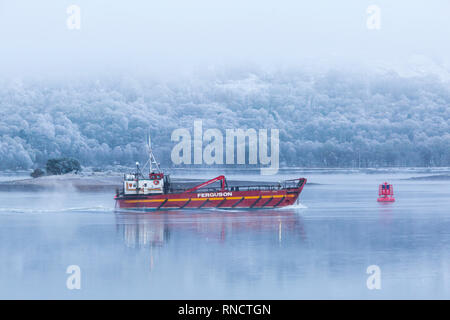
point(151, 157)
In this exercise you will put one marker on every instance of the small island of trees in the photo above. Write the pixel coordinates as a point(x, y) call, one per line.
point(58, 166)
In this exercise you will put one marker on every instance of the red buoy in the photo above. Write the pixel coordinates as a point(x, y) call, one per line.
point(386, 193)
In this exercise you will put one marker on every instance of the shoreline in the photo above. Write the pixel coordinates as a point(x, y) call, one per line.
point(110, 181)
point(77, 182)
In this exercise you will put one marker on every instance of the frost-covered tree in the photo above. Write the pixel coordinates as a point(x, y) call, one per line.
point(325, 119)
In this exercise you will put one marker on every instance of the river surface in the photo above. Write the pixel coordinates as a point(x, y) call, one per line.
point(319, 249)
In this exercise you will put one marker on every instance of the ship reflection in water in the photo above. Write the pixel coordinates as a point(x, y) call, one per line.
point(155, 229)
point(206, 252)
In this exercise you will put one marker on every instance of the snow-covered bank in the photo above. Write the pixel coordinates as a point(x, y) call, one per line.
point(65, 182)
point(440, 177)
point(100, 182)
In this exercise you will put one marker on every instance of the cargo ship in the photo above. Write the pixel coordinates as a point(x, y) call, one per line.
point(156, 192)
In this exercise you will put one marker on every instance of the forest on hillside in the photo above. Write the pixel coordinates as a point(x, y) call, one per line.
point(330, 119)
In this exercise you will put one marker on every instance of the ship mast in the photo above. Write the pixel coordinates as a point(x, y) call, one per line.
point(153, 164)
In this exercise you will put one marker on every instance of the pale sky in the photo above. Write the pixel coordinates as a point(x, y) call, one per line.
point(146, 35)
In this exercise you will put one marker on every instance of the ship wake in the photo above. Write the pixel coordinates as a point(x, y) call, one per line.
point(58, 210)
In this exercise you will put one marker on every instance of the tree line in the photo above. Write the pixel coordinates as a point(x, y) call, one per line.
point(330, 119)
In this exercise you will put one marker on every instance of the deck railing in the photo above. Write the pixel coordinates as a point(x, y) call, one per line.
point(285, 185)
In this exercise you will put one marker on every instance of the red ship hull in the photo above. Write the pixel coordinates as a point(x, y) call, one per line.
point(223, 199)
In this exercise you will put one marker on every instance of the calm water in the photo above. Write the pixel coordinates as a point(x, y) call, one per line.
point(320, 249)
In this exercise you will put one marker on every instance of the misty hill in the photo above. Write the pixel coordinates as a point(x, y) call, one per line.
point(332, 119)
